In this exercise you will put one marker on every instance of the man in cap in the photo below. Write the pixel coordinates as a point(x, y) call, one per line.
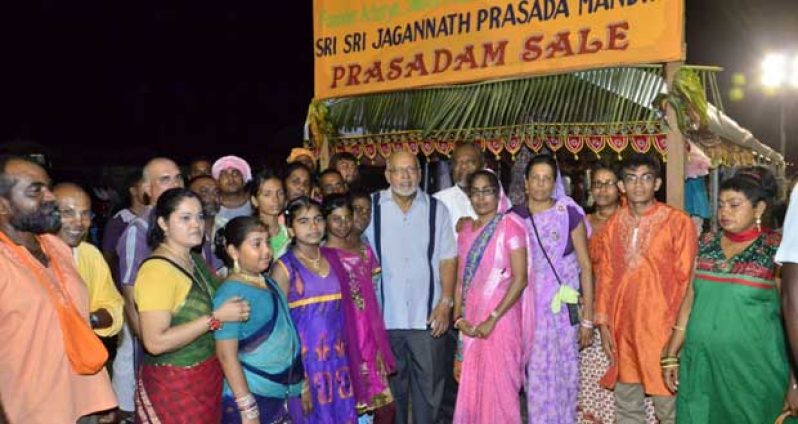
point(232, 173)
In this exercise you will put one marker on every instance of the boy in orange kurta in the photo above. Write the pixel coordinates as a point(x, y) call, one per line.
point(646, 258)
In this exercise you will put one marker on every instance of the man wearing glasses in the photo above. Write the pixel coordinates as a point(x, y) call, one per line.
point(411, 232)
point(645, 262)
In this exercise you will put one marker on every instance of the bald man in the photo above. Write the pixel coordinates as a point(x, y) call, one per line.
point(412, 234)
point(158, 175)
point(466, 159)
point(105, 302)
point(106, 306)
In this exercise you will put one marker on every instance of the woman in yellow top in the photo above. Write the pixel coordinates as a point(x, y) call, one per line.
point(180, 379)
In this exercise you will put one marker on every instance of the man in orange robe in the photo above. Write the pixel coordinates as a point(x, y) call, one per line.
point(38, 382)
point(646, 259)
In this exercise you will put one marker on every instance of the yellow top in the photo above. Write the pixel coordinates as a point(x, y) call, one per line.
point(102, 292)
point(160, 287)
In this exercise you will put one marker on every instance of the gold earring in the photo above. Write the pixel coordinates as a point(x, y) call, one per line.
point(236, 267)
point(759, 223)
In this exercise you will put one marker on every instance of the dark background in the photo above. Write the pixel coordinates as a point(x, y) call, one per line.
point(113, 83)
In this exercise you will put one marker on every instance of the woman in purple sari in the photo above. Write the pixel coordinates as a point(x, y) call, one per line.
point(368, 347)
point(313, 289)
point(561, 269)
point(492, 276)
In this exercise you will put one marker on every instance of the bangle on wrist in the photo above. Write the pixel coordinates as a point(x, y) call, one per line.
point(679, 328)
point(448, 301)
point(669, 362)
point(494, 314)
point(252, 413)
point(586, 323)
point(214, 323)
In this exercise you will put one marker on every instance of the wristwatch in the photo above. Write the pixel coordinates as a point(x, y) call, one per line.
point(448, 301)
point(94, 320)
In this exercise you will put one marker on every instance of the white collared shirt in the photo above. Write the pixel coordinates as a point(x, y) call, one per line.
point(405, 266)
point(458, 204)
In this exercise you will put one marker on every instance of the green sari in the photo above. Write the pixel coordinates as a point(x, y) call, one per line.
point(734, 366)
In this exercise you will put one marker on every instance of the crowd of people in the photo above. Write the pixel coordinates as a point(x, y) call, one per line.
point(256, 297)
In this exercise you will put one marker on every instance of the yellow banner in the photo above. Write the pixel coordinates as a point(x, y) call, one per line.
point(366, 46)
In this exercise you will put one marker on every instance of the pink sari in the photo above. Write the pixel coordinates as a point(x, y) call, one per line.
point(492, 371)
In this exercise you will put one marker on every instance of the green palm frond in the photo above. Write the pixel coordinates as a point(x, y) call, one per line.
point(606, 96)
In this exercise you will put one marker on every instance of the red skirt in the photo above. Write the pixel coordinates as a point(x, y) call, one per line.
point(180, 395)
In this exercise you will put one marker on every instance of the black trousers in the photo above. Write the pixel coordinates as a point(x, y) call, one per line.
point(446, 412)
point(420, 375)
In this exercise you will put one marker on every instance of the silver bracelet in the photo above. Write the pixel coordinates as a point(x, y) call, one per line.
point(246, 402)
point(252, 413)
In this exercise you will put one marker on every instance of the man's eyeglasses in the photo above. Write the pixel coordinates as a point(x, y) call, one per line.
point(647, 178)
point(410, 170)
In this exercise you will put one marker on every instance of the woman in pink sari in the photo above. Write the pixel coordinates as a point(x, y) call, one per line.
point(491, 278)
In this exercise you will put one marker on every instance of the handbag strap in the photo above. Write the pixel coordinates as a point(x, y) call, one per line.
point(543, 249)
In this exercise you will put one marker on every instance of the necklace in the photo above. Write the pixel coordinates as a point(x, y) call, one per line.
point(743, 236)
point(184, 262)
point(315, 263)
point(254, 279)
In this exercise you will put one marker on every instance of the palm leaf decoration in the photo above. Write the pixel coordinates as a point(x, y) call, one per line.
point(609, 96)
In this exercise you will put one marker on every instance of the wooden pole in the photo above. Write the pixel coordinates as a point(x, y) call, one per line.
point(677, 154)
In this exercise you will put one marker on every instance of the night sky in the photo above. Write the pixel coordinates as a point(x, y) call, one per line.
point(110, 83)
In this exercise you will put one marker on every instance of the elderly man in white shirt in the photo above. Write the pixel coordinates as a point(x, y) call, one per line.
point(466, 159)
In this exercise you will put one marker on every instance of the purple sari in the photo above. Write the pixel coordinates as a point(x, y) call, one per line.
point(551, 349)
point(315, 304)
point(368, 347)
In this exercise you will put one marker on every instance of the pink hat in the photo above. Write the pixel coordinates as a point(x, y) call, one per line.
point(234, 162)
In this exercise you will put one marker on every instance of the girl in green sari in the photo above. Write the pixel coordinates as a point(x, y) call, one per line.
point(727, 356)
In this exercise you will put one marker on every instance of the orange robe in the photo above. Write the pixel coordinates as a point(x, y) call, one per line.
point(37, 384)
point(644, 269)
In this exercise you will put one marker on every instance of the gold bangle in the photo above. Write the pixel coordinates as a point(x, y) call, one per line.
point(679, 328)
point(669, 366)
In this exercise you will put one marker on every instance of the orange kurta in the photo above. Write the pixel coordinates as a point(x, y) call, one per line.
point(37, 384)
point(644, 269)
